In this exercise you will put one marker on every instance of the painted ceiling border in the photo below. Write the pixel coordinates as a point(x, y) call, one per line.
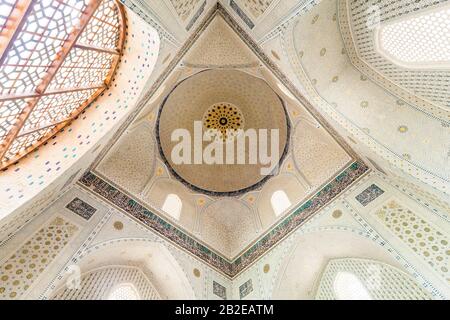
point(264, 244)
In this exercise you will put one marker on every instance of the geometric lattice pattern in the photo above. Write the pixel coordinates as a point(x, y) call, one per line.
point(59, 56)
point(382, 281)
point(422, 87)
point(424, 39)
point(424, 239)
point(29, 261)
point(124, 291)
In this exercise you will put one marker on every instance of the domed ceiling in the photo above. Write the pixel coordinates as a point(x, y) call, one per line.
point(222, 80)
point(221, 100)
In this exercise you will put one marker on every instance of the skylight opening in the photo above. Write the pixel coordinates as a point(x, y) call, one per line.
point(419, 41)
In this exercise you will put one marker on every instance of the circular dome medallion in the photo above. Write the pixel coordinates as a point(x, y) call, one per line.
point(226, 119)
point(229, 99)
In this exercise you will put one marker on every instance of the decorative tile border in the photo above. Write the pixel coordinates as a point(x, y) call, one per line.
point(81, 208)
point(294, 220)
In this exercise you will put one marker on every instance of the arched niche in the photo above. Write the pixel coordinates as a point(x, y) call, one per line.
point(110, 282)
point(228, 225)
point(300, 271)
point(154, 259)
point(366, 279)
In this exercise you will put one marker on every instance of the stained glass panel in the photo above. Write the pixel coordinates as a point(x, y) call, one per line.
point(55, 57)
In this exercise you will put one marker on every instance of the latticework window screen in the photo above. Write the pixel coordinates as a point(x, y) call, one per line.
point(56, 57)
point(420, 41)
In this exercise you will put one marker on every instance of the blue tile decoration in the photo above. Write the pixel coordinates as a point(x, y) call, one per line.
point(219, 290)
point(368, 195)
point(245, 289)
point(81, 208)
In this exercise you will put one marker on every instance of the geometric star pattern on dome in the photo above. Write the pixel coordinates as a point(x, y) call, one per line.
point(225, 118)
point(56, 57)
point(420, 41)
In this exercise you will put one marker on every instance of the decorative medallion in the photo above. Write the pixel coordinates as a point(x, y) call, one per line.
point(275, 55)
point(225, 118)
point(337, 214)
point(402, 129)
point(118, 225)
